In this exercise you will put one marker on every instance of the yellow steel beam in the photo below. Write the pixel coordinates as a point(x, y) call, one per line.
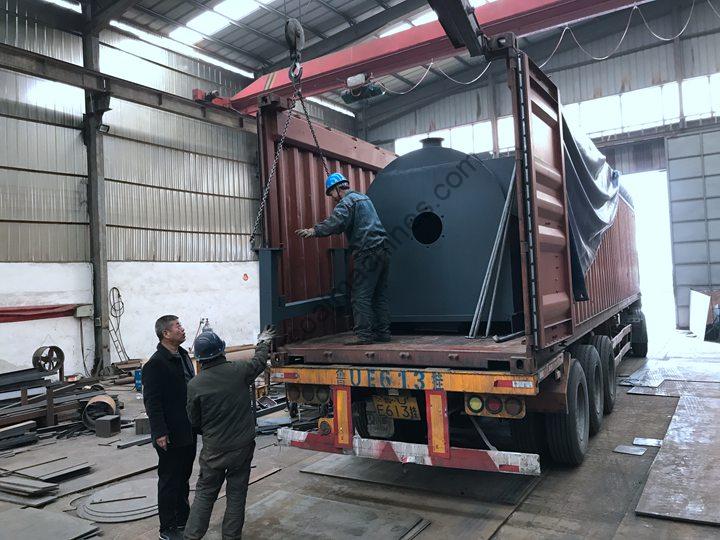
point(482, 382)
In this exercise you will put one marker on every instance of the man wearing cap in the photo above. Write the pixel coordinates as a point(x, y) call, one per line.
point(218, 405)
point(356, 216)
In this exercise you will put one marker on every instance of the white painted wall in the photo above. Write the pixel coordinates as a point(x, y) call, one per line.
point(35, 284)
point(226, 293)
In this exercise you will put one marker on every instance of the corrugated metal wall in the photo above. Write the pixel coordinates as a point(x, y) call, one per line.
point(694, 184)
point(614, 275)
point(188, 191)
point(177, 189)
point(640, 62)
point(43, 184)
point(297, 200)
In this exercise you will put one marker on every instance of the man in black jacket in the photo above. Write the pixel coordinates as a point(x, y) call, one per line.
point(165, 377)
point(219, 408)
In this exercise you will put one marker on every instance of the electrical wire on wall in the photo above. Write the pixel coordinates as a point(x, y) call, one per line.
point(117, 308)
point(410, 89)
point(476, 79)
point(568, 29)
point(712, 6)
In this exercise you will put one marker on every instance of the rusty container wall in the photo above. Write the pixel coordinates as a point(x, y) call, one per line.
point(542, 203)
point(297, 200)
point(613, 278)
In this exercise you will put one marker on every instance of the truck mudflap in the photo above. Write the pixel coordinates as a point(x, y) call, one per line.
point(457, 458)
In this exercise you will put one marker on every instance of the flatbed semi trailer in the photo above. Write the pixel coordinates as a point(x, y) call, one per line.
point(432, 396)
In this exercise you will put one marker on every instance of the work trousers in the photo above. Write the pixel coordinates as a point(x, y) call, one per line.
point(371, 307)
point(174, 469)
point(215, 468)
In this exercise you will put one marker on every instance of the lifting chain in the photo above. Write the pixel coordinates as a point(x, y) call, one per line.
point(295, 39)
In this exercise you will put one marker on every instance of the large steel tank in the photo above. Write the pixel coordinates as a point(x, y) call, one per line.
point(441, 209)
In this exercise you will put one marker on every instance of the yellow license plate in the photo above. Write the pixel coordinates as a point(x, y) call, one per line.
point(398, 407)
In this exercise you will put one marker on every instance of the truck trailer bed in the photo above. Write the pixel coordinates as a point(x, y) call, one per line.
point(435, 350)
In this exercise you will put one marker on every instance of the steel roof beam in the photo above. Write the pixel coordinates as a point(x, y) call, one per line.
point(411, 47)
point(49, 14)
point(279, 14)
point(335, 10)
point(387, 109)
point(104, 12)
point(237, 24)
point(206, 37)
point(360, 30)
point(45, 67)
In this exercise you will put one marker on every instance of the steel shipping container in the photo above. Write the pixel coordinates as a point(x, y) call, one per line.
point(553, 319)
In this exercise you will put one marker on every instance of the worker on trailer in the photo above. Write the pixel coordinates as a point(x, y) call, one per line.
point(356, 216)
point(218, 405)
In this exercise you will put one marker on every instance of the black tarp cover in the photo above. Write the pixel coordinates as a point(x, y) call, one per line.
point(593, 188)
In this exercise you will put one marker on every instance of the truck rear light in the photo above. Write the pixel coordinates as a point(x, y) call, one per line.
point(323, 394)
point(308, 393)
point(325, 426)
point(293, 392)
point(475, 404)
point(513, 406)
point(494, 405)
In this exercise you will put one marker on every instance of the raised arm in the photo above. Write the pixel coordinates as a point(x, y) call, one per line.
point(336, 223)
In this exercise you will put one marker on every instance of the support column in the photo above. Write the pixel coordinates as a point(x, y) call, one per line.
point(678, 60)
point(96, 104)
point(493, 115)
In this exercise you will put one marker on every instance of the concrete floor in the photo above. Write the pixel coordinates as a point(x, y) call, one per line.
point(595, 500)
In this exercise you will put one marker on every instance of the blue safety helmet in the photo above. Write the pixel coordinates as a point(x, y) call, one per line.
point(335, 179)
point(208, 345)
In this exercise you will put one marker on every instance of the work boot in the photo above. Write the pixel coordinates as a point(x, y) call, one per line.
point(382, 339)
point(359, 341)
point(171, 534)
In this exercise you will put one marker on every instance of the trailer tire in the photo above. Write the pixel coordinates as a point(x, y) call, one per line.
point(528, 434)
point(568, 432)
point(359, 418)
point(604, 347)
point(640, 349)
point(638, 336)
point(589, 359)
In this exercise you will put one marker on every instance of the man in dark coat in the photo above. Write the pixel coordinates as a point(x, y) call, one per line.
point(164, 378)
point(218, 406)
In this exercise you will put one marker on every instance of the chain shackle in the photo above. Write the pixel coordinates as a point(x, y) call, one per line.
point(295, 72)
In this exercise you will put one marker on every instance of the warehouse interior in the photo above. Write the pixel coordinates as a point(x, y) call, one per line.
point(141, 176)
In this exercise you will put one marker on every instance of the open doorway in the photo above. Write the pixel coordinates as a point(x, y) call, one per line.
point(649, 192)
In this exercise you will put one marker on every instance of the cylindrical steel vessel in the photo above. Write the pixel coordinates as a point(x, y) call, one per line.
point(441, 209)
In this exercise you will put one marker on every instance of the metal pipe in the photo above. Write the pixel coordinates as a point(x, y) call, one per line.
point(508, 337)
point(491, 264)
point(499, 268)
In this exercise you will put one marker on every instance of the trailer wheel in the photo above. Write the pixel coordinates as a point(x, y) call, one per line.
point(359, 418)
point(567, 433)
point(604, 347)
point(589, 359)
point(528, 434)
point(638, 336)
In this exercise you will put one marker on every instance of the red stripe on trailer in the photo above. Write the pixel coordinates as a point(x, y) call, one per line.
point(459, 458)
